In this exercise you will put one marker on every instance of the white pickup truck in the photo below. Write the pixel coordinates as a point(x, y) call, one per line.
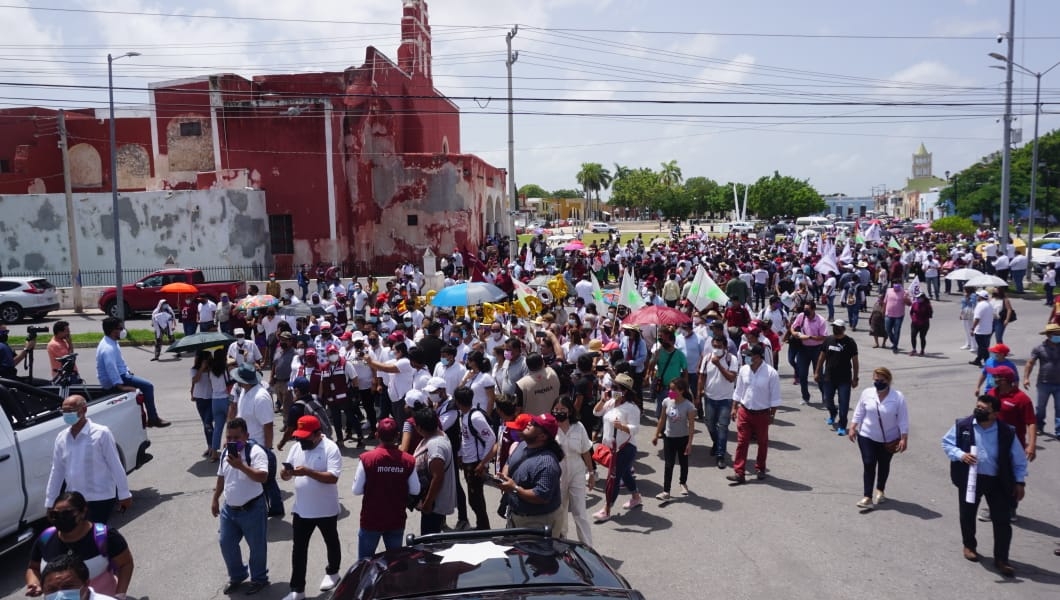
point(29, 424)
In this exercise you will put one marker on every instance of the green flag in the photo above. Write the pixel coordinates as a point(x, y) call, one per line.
point(704, 291)
point(894, 244)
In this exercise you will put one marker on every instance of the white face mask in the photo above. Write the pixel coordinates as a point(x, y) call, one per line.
point(124, 334)
point(333, 358)
point(300, 351)
point(719, 352)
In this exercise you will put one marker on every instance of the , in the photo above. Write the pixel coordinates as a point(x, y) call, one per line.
point(26, 296)
point(501, 563)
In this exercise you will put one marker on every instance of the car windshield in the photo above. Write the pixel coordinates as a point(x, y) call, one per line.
point(500, 563)
point(41, 284)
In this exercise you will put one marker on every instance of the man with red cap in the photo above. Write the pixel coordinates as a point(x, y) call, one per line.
point(999, 357)
point(315, 464)
point(385, 477)
point(531, 479)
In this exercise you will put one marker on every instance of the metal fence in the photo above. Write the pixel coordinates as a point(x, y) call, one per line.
point(105, 277)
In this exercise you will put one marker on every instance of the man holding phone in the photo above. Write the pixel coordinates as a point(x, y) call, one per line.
point(315, 464)
point(243, 469)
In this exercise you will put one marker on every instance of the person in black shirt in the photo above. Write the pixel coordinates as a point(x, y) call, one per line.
point(837, 373)
point(584, 394)
point(431, 344)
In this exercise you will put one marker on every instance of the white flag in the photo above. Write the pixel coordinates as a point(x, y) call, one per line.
point(528, 265)
point(628, 294)
point(847, 256)
point(598, 297)
point(916, 287)
point(704, 291)
point(804, 246)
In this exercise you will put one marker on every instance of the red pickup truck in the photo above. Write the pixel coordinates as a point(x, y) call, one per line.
point(143, 296)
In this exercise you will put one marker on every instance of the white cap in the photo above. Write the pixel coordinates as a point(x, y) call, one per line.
point(839, 323)
point(413, 396)
point(238, 331)
point(434, 384)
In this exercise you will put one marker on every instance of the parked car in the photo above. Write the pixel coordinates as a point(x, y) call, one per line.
point(602, 228)
point(741, 227)
point(1040, 258)
point(29, 423)
point(31, 297)
point(1052, 235)
point(526, 563)
point(143, 296)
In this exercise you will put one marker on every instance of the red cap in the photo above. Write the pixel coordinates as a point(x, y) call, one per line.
point(519, 423)
point(1000, 349)
point(325, 325)
point(1003, 372)
point(307, 426)
point(311, 352)
point(331, 349)
point(397, 336)
point(346, 336)
point(547, 422)
point(387, 430)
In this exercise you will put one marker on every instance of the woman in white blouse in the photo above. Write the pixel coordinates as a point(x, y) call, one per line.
point(620, 419)
point(881, 418)
point(577, 460)
point(480, 381)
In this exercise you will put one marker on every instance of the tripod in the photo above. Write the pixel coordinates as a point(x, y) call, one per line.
point(67, 376)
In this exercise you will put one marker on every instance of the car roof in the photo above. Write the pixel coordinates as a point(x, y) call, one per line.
point(23, 279)
point(480, 562)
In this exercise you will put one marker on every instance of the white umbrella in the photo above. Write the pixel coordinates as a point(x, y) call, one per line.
point(963, 274)
point(983, 281)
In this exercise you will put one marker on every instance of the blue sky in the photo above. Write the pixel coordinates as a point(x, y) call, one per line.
point(757, 57)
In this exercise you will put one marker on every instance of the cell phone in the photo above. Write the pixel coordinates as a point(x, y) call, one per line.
point(233, 448)
point(287, 466)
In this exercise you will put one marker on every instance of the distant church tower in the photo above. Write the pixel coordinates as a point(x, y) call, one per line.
point(414, 54)
point(921, 163)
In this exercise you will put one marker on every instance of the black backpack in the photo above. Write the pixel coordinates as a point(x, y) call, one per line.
point(312, 407)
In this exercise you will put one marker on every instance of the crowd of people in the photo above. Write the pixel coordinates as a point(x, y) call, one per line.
point(453, 401)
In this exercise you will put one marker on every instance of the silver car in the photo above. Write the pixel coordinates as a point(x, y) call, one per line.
point(26, 297)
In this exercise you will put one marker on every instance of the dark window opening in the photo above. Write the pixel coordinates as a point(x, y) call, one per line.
point(281, 234)
point(5, 165)
point(191, 129)
point(413, 220)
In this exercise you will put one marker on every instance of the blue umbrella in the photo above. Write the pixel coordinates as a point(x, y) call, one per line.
point(1050, 246)
point(468, 294)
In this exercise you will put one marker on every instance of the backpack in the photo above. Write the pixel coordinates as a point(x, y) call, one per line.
point(312, 407)
point(850, 294)
point(99, 535)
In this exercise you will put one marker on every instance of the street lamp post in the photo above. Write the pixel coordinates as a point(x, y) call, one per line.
point(954, 186)
point(1006, 136)
point(1034, 152)
point(120, 297)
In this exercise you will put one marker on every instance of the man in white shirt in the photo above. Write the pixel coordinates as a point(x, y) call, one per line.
point(1018, 265)
point(254, 406)
point(407, 369)
point(315, 464)
point(85, 456)
point(207, 312)
point(244, 351)
point(982, 326)
point(477, 440)
point(931, 275)
point(449, 369)
point(240, 476)
point(757, 394)
point(717, 379)
point(584, 288)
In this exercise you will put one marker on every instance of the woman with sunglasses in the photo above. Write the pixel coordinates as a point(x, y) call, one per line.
point(103, 550)
point(577, 461)
point(880, 426)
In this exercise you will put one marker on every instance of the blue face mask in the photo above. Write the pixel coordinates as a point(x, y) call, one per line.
point(446, 361)
point(64, 595)
point(71, 418)
point(1054, 339)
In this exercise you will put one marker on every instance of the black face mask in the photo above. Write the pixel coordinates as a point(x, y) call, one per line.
point(307, 444)
point(65, 522)
point(981, 415)
point(3, 337)
point(561, 417)
point(373, 343)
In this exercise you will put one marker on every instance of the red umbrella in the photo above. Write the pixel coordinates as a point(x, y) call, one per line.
point(657, 315)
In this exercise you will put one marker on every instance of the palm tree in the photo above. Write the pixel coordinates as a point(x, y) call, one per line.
point(593, 177)
point(670, 175)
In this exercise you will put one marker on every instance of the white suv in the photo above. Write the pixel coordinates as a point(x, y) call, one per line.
point(26, 296)
point(602, 228)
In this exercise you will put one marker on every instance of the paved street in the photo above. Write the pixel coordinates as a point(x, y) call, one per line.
point(796, 535)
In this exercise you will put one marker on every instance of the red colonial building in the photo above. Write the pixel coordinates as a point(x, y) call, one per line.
point(361, 166)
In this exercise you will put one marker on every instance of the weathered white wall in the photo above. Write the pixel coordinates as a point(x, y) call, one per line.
point(195, 227)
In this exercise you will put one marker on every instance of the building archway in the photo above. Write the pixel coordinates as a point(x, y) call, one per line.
point(488, 218)
point(500, 222)
point(134, 167)
point(86, 168)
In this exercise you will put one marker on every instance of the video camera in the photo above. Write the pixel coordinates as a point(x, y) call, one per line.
point(31, 332)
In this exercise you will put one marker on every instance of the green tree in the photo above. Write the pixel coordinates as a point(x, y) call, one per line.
point(705, 195)
point(567, 193)
point(532, 190)
point(674, 202)
point(593, 177)
point(954, 225)
point(620, 172)
point(637, 190)
point(670, 174)
point(783, 195)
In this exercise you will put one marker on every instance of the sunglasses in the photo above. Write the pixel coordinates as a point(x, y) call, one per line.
point(55, 514)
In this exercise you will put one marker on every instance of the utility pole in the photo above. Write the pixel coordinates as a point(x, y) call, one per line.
point(1006, 142)
point(71, 227)
point(512, 57)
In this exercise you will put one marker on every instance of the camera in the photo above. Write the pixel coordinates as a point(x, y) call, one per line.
point(1001, 37)
point(31, 332)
